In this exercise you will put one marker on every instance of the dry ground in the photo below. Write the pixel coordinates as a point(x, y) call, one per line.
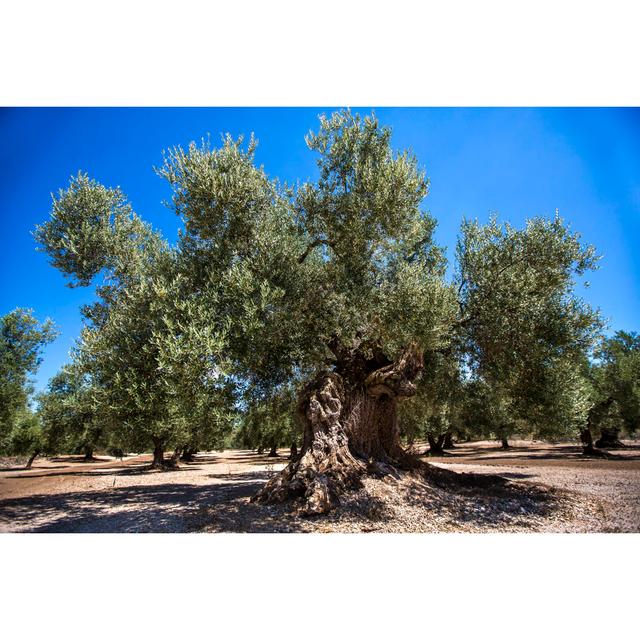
point(535, 487)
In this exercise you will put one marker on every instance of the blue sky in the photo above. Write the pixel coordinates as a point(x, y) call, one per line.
point(514, 161)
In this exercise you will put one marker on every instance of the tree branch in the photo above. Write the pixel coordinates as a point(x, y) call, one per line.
point(311, 247)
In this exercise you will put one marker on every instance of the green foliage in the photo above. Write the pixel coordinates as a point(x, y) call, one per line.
point(147, 349)
point(26, 437)
point(270, 423)
point(523, 329)
point(615, 375)
point(22, 339)
point(380, 274)
point(71, 421)
point(92, 228)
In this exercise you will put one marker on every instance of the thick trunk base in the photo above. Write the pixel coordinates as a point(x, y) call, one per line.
point(158, 456)
point(188, 455)
point(448, 441)
point(609, 439)
point(350, 431)
point(172, 462)
point(587, 445)
point(504, 443)
point(436, 445)
point(273, 452)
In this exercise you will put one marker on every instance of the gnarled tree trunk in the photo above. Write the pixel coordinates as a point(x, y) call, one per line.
point(158, 454)
point(436, 444)
point(293, 451)
point(273, 451)
point(448, 441)
point(587, 441)
point(609, 439)
point(175, 457)
point(350, 429)
point(88, 454)
point(187, 455)
point(594, 417)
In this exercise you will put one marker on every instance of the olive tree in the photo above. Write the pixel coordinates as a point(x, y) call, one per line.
point(523, 328)
point(67, 411)
point(336, 285)
point(270, 423)
point(615, 380)
point(22, 339)
point(435, 410)
point(137, 344)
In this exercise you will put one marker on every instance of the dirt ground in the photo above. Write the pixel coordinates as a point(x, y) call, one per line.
point(535, 487)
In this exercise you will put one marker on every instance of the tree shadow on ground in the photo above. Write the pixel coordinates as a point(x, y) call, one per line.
point(239, 477)
point(159, 508)
point(22, 467)
point(80, 459)
point(92, 473)
point(578, 457)
point(488, 500)
point(128, 470)
point(512, 475)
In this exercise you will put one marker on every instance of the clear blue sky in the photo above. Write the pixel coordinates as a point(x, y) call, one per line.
point(517, 162)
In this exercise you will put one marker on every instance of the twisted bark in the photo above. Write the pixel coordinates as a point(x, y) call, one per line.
point(350, 429)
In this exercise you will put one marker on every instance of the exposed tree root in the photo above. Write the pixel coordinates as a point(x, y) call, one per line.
point(317, 478)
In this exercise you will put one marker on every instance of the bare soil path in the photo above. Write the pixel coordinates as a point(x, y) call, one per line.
point(552, 488)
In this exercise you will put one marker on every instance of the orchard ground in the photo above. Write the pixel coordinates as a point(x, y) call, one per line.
point(541, 487)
